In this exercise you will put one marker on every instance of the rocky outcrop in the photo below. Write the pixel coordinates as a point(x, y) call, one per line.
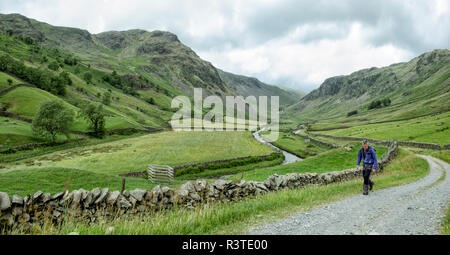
point(24, 212)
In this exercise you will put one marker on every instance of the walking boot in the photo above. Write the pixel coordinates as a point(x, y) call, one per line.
point(365, 189)
point(371, 185)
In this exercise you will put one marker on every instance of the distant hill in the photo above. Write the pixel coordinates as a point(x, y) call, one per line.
point(247, 86)
point(420, 86)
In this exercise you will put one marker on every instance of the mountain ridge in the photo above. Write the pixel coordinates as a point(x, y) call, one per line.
point(424, 81)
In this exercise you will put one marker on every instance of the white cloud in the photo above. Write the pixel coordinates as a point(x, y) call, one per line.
point(285, 42)
point(311, 63)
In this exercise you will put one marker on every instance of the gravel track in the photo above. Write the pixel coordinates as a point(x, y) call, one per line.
point(415, 208)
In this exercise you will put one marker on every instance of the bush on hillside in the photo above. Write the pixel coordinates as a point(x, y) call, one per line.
point(96, 117)
point(43, 79)
point(379, 103)
point(352, 113)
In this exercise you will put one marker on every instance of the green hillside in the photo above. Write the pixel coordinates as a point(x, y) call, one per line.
point(418, 87)
point(25, 101)
point(246, 86)
point(141, 70)
point(158, 56)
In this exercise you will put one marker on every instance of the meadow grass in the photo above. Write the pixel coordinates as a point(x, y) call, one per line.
point(333, 160)
point(34, 178)
point(101, 164)
point(73, 143)
point(25, 101)
point(233, 170)
point(53, 180)
point(15, 132)
point(237, 217)
point(326, 139)
point(4, 84)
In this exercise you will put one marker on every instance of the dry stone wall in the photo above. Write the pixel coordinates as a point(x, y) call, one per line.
point(24, 212)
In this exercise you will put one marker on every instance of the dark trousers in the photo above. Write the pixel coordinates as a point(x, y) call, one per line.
point(366, 173)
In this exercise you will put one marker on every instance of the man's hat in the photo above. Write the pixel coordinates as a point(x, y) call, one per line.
point(365, 141)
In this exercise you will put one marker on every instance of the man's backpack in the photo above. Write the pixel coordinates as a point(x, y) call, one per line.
point(369, 151)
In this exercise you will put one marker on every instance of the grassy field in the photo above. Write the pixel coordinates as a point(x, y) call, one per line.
point(431, 129)
point(236, 217)
point(25, 101)
point(326, 139)
point(15, 132)
point(333, 160)
point(99, 165)
point(234, 170)
point(297, 145)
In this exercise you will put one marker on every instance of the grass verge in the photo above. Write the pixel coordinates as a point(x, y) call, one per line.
point(446, 223)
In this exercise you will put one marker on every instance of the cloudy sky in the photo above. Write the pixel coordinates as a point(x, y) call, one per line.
point(292, 43)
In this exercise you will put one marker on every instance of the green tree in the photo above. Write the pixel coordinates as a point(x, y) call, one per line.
point(53, 66)
point(51, 119)
point(88, 77)
point(94, 114)
point(10, 82)
point(64, 76)
point(44, 59)
point(106, 98)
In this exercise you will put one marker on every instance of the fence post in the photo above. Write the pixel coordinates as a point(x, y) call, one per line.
point(123, 185)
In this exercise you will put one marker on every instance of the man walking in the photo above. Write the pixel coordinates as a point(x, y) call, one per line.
point(369, 158)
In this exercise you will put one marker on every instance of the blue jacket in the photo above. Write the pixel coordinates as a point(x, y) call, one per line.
point(369, 158)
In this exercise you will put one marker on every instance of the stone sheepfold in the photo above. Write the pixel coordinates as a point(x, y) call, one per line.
point(24, 212)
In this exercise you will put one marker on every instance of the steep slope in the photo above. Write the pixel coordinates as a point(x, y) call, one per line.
point(158, 56)
point(418, 87)
point(74, 39)
point(162, 55)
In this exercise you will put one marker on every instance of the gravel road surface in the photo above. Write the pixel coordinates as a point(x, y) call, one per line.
point(415, 208)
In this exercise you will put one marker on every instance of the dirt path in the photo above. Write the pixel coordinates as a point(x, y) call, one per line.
point(415, 208)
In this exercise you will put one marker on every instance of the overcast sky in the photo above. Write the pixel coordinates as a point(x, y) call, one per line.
point(296, 44)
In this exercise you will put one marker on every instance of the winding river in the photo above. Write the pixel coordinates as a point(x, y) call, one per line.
point(288, 157)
